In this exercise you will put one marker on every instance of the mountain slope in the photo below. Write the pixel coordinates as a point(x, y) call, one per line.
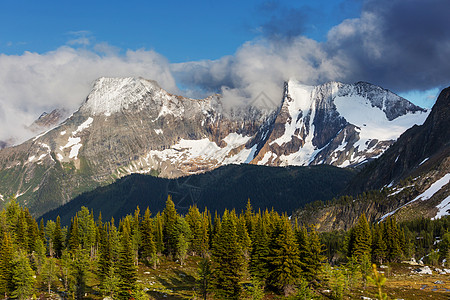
point(418, 150)
point(131, 125)
point(226, 187)
point(335, 123)
point(412, 178)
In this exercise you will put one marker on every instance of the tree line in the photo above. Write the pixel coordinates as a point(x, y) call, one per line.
point(239, 253)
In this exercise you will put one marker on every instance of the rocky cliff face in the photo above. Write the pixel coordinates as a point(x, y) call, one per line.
point(344, 125)
point(413, 177)
point(131, 125)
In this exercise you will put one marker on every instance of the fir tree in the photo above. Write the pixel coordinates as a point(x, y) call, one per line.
point(392, 238)
point(204, 277)
point(310, 253)
point(73, 241)
point(126, 268)
point(283, 259)
point(49, 273)
point(170, 232)
point(22, 277)
point(58, 241)
point(6, 264)
point(227, 259)
point(159, 239)
point(360, 239)
point(148, 246)
point(378, 245)
point(195, 221)
point(260, 251)
point(183, 237)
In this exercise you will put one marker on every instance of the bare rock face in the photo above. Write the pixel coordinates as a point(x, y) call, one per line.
point(339, 124)
point(131, 125)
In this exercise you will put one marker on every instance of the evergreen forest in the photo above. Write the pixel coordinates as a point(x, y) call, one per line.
point(236, 255)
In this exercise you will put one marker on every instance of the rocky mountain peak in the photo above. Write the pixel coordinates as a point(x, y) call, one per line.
point(111, 95)
point(132, 125)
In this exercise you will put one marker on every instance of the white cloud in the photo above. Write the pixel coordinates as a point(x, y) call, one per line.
point(33, 83)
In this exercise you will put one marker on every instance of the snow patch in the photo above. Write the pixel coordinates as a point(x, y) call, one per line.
point(372, 121)
point(424, 161)
point(74, 151)
point(83, 126)
point(427, 194)
point(74, 145)
point(158, 131)
point(204, 151)
point(62, 132)
point(59, 156)
point(443, 208)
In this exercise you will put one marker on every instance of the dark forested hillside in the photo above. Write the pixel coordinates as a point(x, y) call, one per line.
point(283, 188)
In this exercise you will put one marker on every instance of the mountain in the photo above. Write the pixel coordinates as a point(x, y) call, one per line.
point(418, 150)
point(132, 125)
point(225, 187)
point(48, 121)
point(334, 123)
point(410, 180)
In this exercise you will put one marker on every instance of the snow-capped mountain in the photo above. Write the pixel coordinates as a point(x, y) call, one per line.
point(337, 124)
point(131, 125)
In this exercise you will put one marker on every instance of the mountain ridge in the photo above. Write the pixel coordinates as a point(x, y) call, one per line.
point(131, 125)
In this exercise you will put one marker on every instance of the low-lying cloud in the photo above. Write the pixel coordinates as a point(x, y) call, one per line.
point(401, 45)
point(33, 83)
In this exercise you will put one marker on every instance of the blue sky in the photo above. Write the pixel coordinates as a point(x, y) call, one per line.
point(52, 51)
point(180, 30)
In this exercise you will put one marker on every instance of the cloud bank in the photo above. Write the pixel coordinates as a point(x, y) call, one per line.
point(401, 45)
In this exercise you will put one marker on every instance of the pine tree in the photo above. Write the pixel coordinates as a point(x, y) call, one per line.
point(243, 236)
point(183, 237)
point(310, 254)
point(126, 268)
point(170, 234)
point(148, 246)
point(104, 256)
point(136, 238)
point(260, 251)
point(360, 239)
point(80, 269)
point(392, 238)
point(6, 264)
point(23, 277)
point(195, 221)
point(378, 245)
point(159, 238)
point(21, 231)
point(249, 217)
point(58, 241)
point(227, 259)
point(73, 241)
point(283, 259)
point(204, 277)
point(49, 273)
point(66, 269)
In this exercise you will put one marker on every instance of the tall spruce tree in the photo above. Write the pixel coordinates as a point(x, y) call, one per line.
point(310, 253)
point(378, 244)
point(6, 264)
point(260, 251)
point(22, 277)
point(360, 242)
point(227, 259)
point(283, 260)
point(148, 246)
point(170, 230)
point(58, 240)
point(126, 268)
